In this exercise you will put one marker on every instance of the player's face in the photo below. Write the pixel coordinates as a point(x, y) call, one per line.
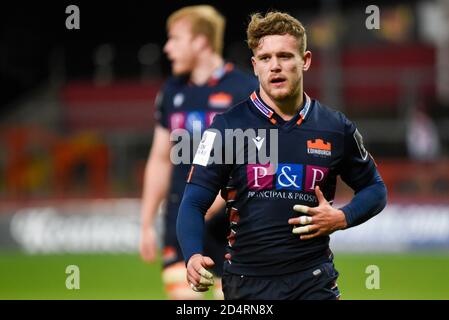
point(179, 48)
point(279, 66)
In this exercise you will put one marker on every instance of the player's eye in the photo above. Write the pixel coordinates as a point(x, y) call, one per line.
point(285, 56)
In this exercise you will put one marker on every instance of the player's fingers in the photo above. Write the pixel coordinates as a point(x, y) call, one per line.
point(198, 288)
point(305, 209)
point(193, 277)
point(206, 282)
point(300, 220)
point(310, 236)
point(300, 208)
point(208, 262)
point(299, 230)
point(305, 220)
point(320, 195)
point(304, 229)
point(205, 274)
point(193, 273)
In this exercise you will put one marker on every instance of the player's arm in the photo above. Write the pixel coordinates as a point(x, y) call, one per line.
point(207, 176)
point(216, 207)
point(367, 202)
point(359, 172)
point(155, 186)
point(189, 228)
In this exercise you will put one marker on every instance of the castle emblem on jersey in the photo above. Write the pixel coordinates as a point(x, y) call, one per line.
point(220, 100)
point(319, 148)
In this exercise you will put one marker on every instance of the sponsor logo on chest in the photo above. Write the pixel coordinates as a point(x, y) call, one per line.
point(287, 176)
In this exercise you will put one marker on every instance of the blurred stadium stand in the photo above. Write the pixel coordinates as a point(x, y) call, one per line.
point(76, 108)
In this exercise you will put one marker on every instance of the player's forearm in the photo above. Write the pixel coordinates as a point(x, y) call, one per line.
point(155, 188)
point(366, 203)
point(218, 205)
point(190, 222)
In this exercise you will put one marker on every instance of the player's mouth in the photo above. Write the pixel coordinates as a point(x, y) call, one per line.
point(174, 62)
point(278, 81)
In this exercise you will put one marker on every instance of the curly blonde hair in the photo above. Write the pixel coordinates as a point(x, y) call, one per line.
point(275, 23)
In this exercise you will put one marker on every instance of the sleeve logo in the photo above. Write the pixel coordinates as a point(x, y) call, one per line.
point(204, 149)
point(359, 140)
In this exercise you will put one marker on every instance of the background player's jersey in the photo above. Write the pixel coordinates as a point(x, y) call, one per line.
point(314, 147)
point(180, 103)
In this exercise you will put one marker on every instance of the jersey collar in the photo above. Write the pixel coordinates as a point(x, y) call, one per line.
point(216, 76)
point(219, 73)
point(269, 113)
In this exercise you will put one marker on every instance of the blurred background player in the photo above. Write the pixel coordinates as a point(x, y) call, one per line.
point(203, 84)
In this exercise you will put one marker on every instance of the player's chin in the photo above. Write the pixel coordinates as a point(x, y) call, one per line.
point(280, 93)
point(179, 69)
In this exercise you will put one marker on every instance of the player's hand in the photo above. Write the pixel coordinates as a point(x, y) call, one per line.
point(319, 221)
point(148, 244)
point(197, 276)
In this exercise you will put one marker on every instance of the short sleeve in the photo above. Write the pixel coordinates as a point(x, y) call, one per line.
point(209, 168)
point(358, 167)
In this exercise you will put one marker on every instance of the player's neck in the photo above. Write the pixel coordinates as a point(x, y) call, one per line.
point(205, 67)
point(285, 108)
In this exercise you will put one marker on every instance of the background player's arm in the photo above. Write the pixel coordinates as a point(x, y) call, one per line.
point(218, 205)
point(155, 186)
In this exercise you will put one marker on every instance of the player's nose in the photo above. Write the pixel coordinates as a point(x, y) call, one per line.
point(275, 65)
point(166, 48)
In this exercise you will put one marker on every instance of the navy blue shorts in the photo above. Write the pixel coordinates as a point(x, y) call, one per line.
point(317, 283)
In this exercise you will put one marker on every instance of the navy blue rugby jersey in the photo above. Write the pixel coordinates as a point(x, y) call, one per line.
point(314, 147)
point(181, 102)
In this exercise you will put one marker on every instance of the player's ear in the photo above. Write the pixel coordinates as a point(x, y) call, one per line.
point(307, 60)
point(253, 61)
point(200, 42)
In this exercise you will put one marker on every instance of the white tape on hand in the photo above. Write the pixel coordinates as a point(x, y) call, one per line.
point(206, 274)
point(193, 287)
point(301, 208)
point(206, 281)
point(305, 220)
point(199, 288)
point(300, 230)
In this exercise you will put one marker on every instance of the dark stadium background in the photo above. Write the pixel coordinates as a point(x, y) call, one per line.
point(76, 125)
